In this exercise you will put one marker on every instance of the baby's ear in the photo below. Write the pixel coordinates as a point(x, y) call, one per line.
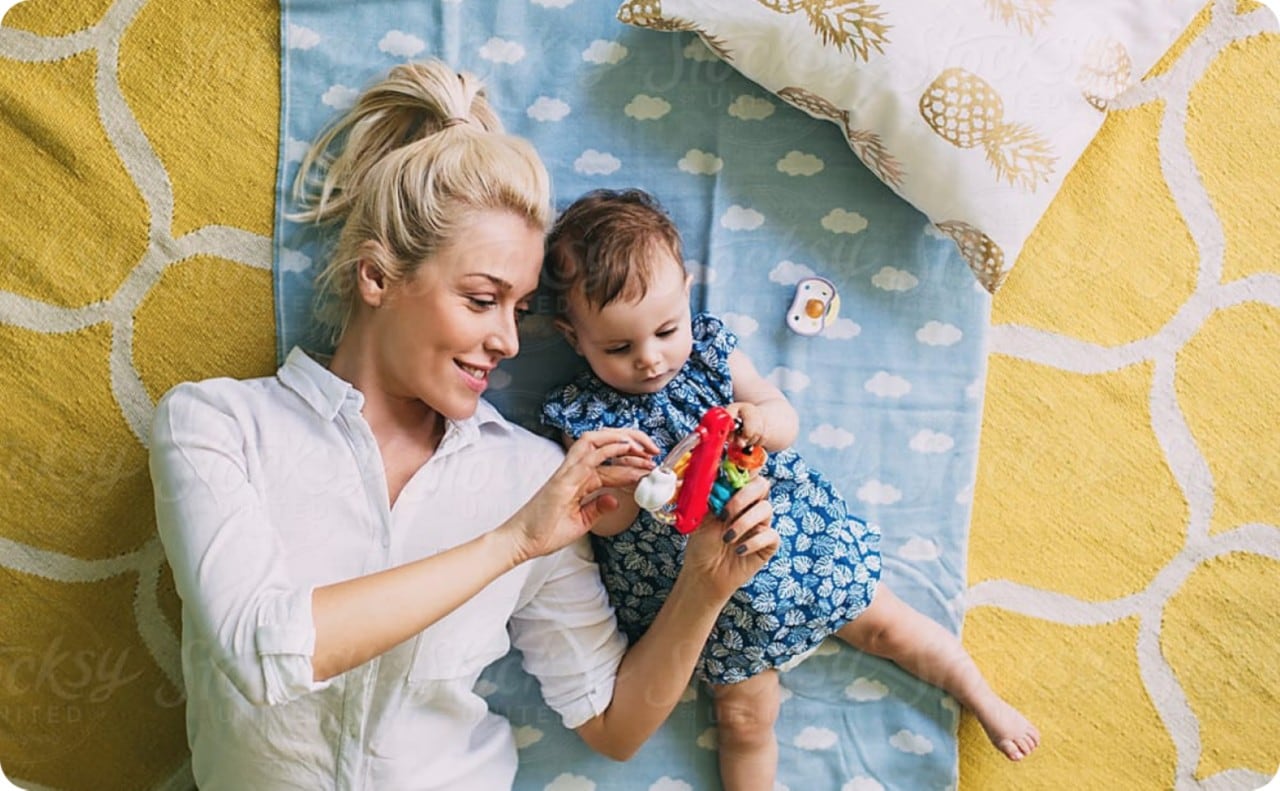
point(566, 329)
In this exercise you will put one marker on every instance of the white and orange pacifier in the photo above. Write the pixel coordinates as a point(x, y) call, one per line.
point(815, 306)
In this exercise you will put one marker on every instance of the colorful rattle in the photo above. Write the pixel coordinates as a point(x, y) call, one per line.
point(700, 473)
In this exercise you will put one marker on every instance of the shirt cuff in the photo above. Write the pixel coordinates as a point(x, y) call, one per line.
point(285, 642)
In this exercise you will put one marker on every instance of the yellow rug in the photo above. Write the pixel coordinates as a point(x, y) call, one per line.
point(1124, 553)
point(1124, 547)
point(139, 148)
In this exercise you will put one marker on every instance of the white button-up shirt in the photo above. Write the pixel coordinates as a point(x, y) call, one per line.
point(268, 488)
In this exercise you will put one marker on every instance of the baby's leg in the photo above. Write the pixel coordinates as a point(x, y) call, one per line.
point(745, 714)
point(892, 629)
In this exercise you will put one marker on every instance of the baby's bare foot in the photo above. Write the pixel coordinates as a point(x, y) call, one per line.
point(1011, 733)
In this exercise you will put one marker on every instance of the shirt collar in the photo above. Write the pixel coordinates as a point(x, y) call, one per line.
point(326, 392)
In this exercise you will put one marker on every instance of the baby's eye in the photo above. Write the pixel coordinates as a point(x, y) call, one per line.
point(665, 333)
point(616, 350)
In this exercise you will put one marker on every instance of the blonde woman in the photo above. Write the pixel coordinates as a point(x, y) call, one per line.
point(356, 538)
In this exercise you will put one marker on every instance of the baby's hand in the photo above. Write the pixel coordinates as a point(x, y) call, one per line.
point(752, 419)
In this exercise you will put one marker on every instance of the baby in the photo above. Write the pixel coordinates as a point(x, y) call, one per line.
point(621, 291)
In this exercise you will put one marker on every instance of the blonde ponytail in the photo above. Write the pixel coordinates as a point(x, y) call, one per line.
point(418, 153)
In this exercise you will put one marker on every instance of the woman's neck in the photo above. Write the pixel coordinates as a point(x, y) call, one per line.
point(393, 419)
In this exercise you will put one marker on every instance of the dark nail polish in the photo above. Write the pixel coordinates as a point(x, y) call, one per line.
point(741, 548)
point(729, 536)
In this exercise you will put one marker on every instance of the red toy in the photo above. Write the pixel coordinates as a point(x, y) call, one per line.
point(679, 491)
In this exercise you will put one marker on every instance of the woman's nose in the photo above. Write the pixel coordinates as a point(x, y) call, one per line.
point(504, 340)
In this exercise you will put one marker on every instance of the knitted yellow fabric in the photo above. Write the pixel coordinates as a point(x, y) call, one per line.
point(1124, 549)
point(139, 144)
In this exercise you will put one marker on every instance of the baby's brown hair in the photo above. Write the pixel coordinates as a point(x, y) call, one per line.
point(600, 244)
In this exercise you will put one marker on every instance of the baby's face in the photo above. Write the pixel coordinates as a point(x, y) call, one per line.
point(638, 346)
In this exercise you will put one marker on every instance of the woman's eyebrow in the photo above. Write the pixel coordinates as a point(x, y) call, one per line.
point(497, 281)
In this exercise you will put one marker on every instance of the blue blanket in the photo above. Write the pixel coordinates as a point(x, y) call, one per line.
point(889, 394)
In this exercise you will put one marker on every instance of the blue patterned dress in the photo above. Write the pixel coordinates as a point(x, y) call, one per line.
point(822, 576)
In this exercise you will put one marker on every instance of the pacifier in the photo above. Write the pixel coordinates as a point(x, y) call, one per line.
point(814, 306)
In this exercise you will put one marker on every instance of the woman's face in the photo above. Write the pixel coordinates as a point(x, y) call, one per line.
point(444, 329)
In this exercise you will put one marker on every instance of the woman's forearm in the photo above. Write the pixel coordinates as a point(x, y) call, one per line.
point(359, 619)
point(654, 673)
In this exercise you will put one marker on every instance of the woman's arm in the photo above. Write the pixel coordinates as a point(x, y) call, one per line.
point(361, 618)
point(719, 558)
point(276, 638)
point(767, 416)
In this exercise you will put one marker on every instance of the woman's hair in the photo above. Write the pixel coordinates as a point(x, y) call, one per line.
point(601, 245)
point(419, 154)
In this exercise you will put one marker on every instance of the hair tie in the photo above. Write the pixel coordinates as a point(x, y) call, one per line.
point(452, 121)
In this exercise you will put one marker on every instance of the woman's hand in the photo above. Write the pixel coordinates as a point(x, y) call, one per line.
point(571, 501)
point(723, 555)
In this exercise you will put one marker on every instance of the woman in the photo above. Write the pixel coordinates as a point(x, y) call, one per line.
point(354, 541)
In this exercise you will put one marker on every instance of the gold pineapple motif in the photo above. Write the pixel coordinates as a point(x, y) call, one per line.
point(1106, 73)
point(1026, 15)
point(967, 112)
point(984, 256)
point(854, 25)
point(866, 145)
point(648, 14)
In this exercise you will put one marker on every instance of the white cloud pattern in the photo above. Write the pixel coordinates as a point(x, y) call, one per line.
point(571, 782)
point(751, 108)
point(789, 379)
point(340, 97)
point(878, 493)
point(844, 221)
point(814, 738)
point(798, 163)
point(500, 50)
point(891, 279)
point(299, 37)
point(596, 163)
point(921, 549)
point(647, 108)
point(401, 44)
point(863, 689)
point(842, 329)
point(546, 109)
point(601, 52)
point(740, 218)
point(829, 436)
point(937, 333)
point(887, 385)
point(909, 742)
point(788, 273)
point(743, 325)
point(702, 163)
point(929, 441)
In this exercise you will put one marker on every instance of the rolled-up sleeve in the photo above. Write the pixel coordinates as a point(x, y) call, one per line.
point(568, 635)
point(227, 560)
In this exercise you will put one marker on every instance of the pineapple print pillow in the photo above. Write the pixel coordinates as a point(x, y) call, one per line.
point(972, 110)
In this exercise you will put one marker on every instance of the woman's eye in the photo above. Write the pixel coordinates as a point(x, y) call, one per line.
point(522, 313)
point(482, 303)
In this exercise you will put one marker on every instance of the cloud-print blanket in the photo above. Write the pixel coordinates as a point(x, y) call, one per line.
point(890, 392)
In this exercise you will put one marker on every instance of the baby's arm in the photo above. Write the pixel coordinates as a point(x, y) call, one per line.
point(619, 519)
point(767, 416)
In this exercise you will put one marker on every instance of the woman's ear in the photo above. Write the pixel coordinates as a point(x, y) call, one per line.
point(566, 329)
point(371, 278)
